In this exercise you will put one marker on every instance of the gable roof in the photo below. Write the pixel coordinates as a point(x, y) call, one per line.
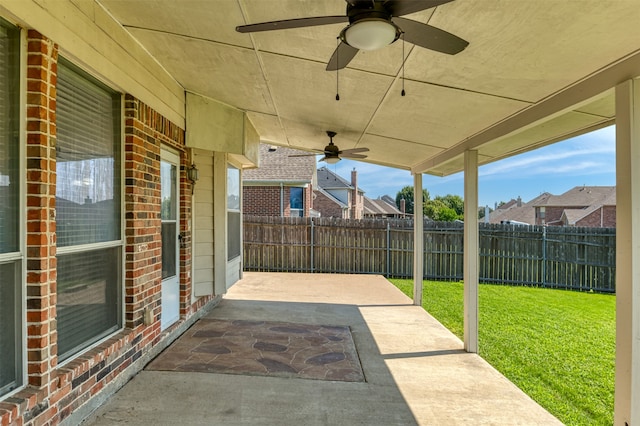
point(582, 196)
point(525, 213)
point(277, 165)
point(328, 196)
point(330, 180)
point(379, 206)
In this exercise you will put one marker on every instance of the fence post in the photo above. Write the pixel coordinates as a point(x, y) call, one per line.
point(311, 248)
point(388, 249)
point(544, 256)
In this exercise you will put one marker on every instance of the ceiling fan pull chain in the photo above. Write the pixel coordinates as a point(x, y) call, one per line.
point(337, 68)
point(403, 92)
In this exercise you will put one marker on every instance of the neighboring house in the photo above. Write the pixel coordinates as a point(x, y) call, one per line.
point(517, 212)
point(381, 208)
point(591, 206)
point(337, 197)
point(282, 185)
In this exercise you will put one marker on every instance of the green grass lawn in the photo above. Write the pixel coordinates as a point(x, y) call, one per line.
point(558, 346)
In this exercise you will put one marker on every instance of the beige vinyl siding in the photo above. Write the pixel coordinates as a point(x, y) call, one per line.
point(203, 255)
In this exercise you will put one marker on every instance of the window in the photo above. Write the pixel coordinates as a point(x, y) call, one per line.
point(11, 296)
point(88, 211)
point(234, 217)
point(296, 201)
point(541, 213)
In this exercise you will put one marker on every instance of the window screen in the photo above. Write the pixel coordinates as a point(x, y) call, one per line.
point(11, 338)
point(234, 216)
point(9, 138)
point(87, 297)
point(88, 161)
point(88, 210)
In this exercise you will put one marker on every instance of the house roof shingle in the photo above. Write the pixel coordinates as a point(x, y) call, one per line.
point(329, 180)
point(583, 196)
point(525, 213)
point(379, 206)
point(277, 165)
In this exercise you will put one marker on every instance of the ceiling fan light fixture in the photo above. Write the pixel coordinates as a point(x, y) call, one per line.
point(370, 34)
point(332, 160)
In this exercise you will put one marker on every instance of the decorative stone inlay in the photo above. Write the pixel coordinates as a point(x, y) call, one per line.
point(264, 348)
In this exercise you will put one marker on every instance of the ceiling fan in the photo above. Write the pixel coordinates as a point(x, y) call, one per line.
point(333, 154)
point(374, 24)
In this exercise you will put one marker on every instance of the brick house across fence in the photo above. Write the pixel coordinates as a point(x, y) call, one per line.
point(338, 197)
point(589, 206)
point(283, 184)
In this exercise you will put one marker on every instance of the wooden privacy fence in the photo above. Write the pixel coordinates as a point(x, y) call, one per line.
point(555, 257)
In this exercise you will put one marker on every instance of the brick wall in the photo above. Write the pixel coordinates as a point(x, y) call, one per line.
point(328, 207)
point(553, 214)
point(54, 391)
point(605, 217)
point(265, 200)
point(308, 200)
point(261, 200)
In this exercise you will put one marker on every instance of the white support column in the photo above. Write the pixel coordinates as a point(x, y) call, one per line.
point(470, 260)
point(627, 388)
point(418, 240)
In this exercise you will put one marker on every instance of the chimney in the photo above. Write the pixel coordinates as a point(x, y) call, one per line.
point(403, 206)
point(354, 197)
point(519, 200)
point(487, 213)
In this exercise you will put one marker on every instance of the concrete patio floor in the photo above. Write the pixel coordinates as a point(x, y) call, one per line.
point(416, 371)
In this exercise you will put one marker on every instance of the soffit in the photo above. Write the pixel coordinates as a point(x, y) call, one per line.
point(522, 55)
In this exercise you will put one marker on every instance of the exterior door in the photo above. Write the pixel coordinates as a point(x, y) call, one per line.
point(170, 301)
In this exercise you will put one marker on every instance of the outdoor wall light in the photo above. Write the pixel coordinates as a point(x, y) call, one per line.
point(193, 174)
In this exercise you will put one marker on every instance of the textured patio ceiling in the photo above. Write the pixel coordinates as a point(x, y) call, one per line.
point(535, 72)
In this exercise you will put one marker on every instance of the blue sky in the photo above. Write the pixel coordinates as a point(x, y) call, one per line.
point(585, 160)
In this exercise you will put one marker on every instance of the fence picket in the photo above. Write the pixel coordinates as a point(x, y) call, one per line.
point(557, 257)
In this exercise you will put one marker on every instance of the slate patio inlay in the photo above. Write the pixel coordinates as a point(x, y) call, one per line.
point(264, 348)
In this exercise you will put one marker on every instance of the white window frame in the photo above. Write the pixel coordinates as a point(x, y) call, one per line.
point(19, 256)
point(109, 244)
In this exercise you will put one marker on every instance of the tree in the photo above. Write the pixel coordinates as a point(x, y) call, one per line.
point(406, 193)
point(445, 208)
point(454, 202)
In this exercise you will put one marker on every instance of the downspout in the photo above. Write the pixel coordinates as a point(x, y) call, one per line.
point(281, 200)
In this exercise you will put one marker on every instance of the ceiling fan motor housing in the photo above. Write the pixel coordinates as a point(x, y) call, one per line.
point(370, 26)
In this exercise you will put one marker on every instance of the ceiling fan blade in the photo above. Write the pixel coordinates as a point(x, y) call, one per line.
point(429, 37)
point(341, 57)
point(353, 156)
point(405, 7)
point(305, 155)
point(292, 23)
point(353, 151)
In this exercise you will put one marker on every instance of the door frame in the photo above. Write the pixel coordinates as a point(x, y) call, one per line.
point(172, 157)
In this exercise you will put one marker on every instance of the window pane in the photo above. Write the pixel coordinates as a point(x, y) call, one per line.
point(168, 173)
point(295, 198)
point(88, 298)
point(233, 233)
point(168, 249)
point(88, 160)
point(9, 138)
point(10, 326)
point(233, 188)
